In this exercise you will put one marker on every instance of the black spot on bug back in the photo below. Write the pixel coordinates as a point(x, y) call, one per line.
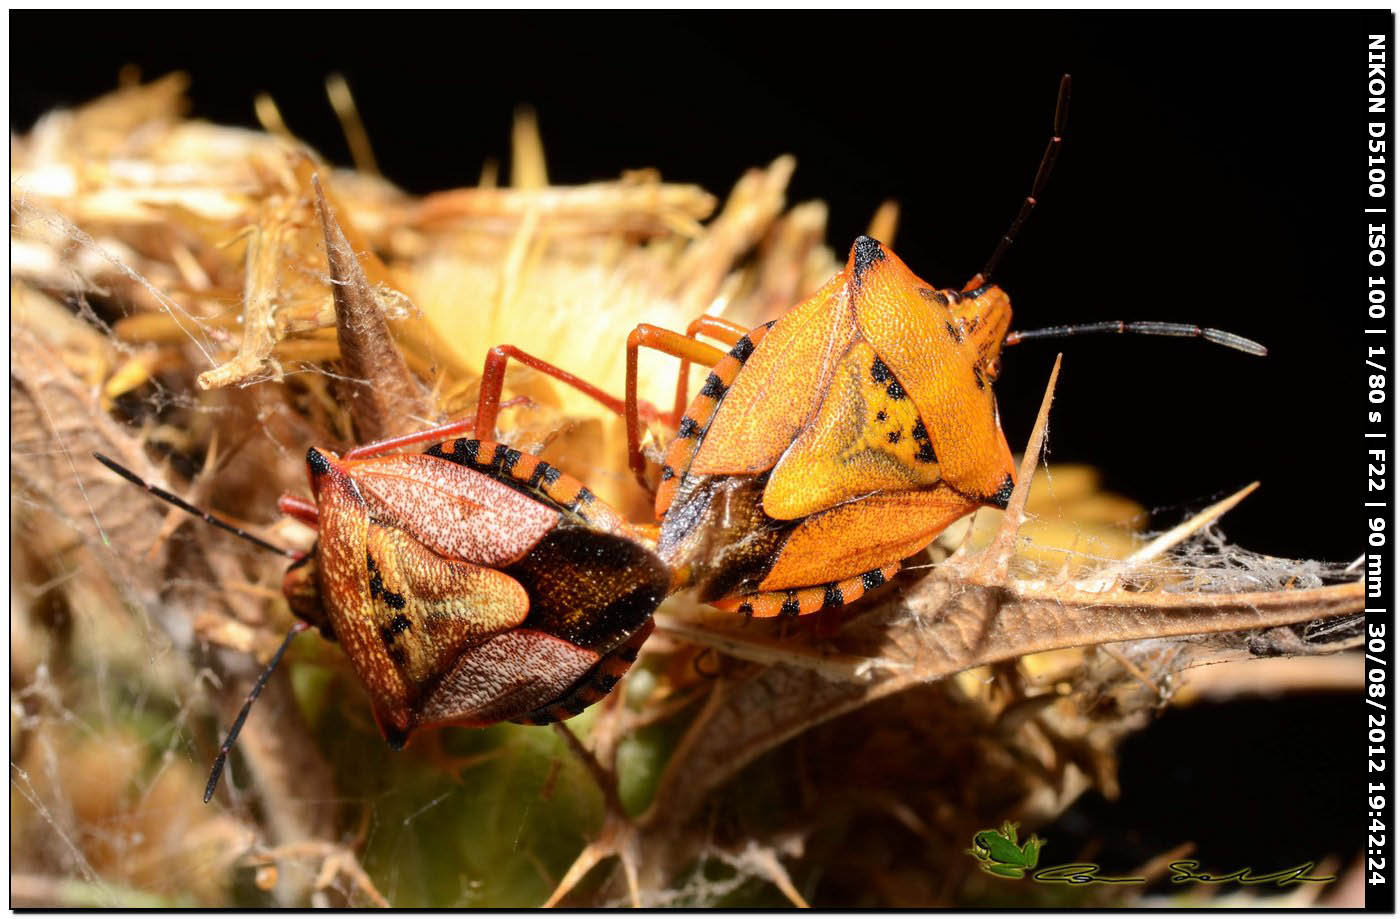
point(688, 429)
point(1003, 494)
point(920, 435)
point(880, 415)
point(667, 473)
point(894, 437)
point(883, 376)
point(790, 606)
point(865, 253)
point(509, 459)
point(742, 349)
point(389, 635)
point(834, 597)
point(746, 609)
point(378, 591)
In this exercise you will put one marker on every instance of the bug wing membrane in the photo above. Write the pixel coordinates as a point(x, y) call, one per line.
point(591, 596)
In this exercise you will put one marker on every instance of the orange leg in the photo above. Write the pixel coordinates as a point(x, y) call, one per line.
point(715, 327)
point(667, 342)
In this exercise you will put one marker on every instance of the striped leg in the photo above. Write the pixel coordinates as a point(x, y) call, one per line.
point(715, 327)
point(667, 342)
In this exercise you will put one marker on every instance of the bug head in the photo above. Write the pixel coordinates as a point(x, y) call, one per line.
point(984, 317)
point(301, 585)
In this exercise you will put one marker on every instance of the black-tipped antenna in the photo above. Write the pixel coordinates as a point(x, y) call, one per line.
point(1042, 175)
point(227, 745)
point(1118, 327)
point(189, 508)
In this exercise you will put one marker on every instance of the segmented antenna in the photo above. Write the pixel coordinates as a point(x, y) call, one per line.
point(227, 745)
point(1118, 327)
point(189, 508)
point(1042, 175)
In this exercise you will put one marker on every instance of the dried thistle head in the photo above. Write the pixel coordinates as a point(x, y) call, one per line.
point(181, 291)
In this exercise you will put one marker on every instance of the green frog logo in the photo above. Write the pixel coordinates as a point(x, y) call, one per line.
point(1001, 855)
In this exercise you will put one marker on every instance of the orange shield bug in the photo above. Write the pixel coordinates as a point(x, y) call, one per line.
point(469, 584)
point(827, 446)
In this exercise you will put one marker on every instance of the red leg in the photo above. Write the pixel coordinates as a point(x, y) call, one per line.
point(715, 327)
point(493, 377)
point(439, 433)
point(667, 342)
point(299, 509)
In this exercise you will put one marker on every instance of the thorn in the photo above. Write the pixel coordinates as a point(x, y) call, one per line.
point(1112, 576)
point(385, 397)
point(884, 222)
point(351, 124)
point(617, 837)
point(778, 875)
point(1181, 531)
point(527, 167)
point(268, 115)
point(995, 562)
point(592, 854)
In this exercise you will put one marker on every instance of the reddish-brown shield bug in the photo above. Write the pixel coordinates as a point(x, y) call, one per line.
point(469, 584)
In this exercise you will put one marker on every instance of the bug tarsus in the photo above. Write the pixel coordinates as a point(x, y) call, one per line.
point(257, 689)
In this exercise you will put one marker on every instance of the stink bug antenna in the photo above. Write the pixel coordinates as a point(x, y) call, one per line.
point(1042, 175)
point(189, 508)
point(1118, 327)
point(227, 745)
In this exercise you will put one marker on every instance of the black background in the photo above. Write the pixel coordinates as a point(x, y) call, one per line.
point(1213, 172)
